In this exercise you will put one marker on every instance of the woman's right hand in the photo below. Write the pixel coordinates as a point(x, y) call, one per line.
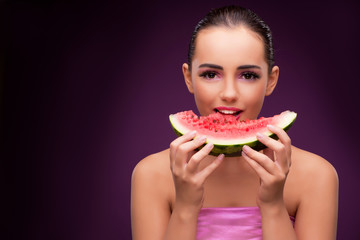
point(188, 178)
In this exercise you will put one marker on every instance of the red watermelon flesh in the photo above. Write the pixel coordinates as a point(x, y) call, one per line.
point(226, 132)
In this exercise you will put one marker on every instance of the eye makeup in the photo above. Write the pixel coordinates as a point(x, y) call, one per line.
point(209, 74)
point(249, 75)
point(245, 72)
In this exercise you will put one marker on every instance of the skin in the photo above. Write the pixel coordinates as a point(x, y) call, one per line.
point(170, 187)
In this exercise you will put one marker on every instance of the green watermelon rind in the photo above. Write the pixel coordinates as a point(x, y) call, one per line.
point(235, 150)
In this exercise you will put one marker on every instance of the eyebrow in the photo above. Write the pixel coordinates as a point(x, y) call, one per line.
point(248, 66)
point(211, 66)
point(221, 68)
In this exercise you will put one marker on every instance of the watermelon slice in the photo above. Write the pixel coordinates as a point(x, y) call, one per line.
point(227, 133)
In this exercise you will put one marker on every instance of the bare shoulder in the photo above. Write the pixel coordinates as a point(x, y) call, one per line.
point(152, 178)
point(312, 177)
point(155, 167)
point(154, 163)
point(313, 184)
point(151, 192)
point(311, 165)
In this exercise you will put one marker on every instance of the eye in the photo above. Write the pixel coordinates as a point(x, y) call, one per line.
point(210, 75)
point(250, 76)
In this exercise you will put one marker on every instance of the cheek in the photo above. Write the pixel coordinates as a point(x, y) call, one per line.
point(254, 97)
point(201, 90)
point(257, 94)
point(201, 94)
point(204, 96)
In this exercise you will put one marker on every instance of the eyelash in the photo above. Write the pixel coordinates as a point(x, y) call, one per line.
point(253, 76)
point(250, 76)
point(207, 73)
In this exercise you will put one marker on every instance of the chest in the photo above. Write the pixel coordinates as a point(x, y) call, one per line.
point(231, 190)
point(240, 189)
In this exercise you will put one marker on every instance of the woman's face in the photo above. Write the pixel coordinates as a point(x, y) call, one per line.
point(229, 72)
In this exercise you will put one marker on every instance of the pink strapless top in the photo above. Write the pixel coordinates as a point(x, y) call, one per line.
point(240, 223)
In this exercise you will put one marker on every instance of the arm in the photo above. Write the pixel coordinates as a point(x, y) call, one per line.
point(189, 184)
point(272, 167)
point(316, 190)
point(150, 209)
point(316, 216)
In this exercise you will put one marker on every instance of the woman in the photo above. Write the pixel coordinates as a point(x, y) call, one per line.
point(279, 193)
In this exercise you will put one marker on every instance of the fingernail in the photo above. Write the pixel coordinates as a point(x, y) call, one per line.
point(202, 139)
point(243, 153)
point(245, 149)
point(260, 135)
point(192, 133)
point(209, 145)
point(270, 126)
point(221, 156)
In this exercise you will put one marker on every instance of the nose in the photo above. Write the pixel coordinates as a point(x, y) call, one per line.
point(229, 92)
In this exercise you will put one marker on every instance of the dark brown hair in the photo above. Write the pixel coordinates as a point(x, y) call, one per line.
point(232, 16)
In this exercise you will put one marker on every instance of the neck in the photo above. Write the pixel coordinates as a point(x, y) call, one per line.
point(235, 165)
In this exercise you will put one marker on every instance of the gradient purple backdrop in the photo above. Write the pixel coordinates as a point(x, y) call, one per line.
point(88, 89)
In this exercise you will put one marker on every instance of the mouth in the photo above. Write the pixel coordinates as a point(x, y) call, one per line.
point(229, 111)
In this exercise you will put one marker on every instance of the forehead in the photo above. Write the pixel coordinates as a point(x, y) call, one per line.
point(224, 45)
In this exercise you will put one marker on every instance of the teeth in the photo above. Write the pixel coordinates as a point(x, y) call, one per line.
point(227, 111)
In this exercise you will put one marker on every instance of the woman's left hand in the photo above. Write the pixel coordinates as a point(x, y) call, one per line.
point(272, 166)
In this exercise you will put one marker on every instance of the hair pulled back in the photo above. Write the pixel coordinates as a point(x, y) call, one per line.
point(233, 16)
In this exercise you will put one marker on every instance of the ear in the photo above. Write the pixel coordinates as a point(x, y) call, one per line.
point(187, 77)
point(272, 81)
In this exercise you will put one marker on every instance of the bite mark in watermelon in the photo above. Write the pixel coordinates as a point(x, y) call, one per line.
point(227, 133)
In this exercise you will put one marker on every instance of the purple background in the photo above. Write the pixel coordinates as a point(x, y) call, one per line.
point(88, 89)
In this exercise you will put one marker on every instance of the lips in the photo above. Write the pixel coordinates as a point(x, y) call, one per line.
point(229, 111)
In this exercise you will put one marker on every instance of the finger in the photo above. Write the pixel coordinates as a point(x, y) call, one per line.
point(203, 174)
point(259, 169)
point(276, 146)
point(269, 153)
point(282, 135)
point(197, 157)
point(176, 143)
point(264, 161)
point(182, 152)
point(285, 139)
point(270, 142)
